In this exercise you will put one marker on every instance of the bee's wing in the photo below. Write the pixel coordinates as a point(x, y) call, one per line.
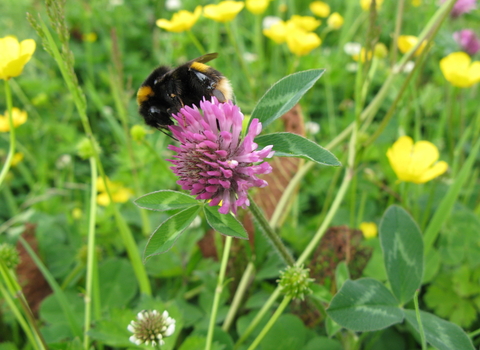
point(204, 59)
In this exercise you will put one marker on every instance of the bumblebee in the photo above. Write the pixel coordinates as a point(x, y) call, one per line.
point(167, 90)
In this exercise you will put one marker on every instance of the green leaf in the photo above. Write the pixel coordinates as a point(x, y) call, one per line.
point(443, 211)
point(284, 94)
point(402, 247)
point(286, 334)
point(226, 224)
point(114, 292)
point(163, 238)
point(323, 343)
point(442, 334)
point(364, 305)
point(286, 144)
point(165, 200)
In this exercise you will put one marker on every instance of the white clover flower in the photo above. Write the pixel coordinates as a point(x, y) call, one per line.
point(151, 328)
point(352, 49)
point(269, 21)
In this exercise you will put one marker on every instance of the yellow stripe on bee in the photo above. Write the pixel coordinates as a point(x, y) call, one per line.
point(144, 93)
point(200, 67)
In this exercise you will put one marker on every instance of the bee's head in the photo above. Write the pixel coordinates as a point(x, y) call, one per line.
point(158, 98)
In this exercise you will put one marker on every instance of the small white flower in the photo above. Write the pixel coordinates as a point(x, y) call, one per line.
point(173, 5)
point(407, 68)
point(312, 127)
point(352, 67)
point(269, 21)
point(352, 48)
point(250, 57)
point(151, 327)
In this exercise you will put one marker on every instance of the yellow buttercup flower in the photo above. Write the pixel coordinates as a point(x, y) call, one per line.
point(417, 163)
point(90, 37)
point(181, 21)
point(277, 32)
point(14, 56)
point(416, 3)
point(224, 11)
point(365, 4)
point(19, 117)
point(120, 194)
point(17, 158)
point(407, 42)
point(369, 229)
point(459, 70)
point(380, 50)
point(320, 9)
point(335, 21)
point(362, 56)
point(257, 7)
point(307, 23)
point(301, 42)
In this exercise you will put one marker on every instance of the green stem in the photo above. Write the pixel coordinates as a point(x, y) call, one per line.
point(270, 233)
point(419, 321)
point(396, 34)
point(239, 293)
point(15, 291)
point(11, 150)
point(196, 42)
point(218, 291)
point(258, 317)
point(79, 100)
point(90, 253)
point(19, 317)
point(271, 322)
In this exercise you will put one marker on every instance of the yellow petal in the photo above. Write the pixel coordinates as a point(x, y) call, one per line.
point(102, 199)
point(307, 23)
point(369, 229)
point(14, 56)
point(257, 7)
point(456, 69)
point(301, 43)
point(277, 32)
point(335, 21)
point(4, 125)
point(121, 195)
point(320, 9)
point(399, 157)
point(225, 11)
point(27, 47)
point(181, 21)
point(474, 72)
point(424, 154)
point(436, 170)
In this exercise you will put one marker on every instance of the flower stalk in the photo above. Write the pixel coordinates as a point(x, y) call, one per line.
point(218, 291)
point(11, 150)
point(274, 238)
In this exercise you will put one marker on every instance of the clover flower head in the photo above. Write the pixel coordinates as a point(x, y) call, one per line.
point(461, 7)
point(9, 255)
point(295, 282)
point(468, 41)
point(151, 328)
point(213, 161)
point(417, 163)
